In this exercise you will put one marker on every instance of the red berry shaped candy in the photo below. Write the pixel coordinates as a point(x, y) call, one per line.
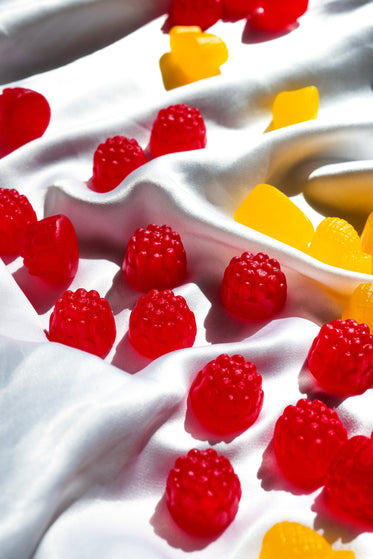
point(177, 128)
point(84, 320)
point(253, 286)
point(348, 484)
point(237, 9)
point(203, 13)
point(155, 258)
point(306, 438)
point(227, 394)
point(50, 249)
point(272, 15)
point(114, 160)
point(161, 322)
point(341, 357)
point(203, 492)
point(16, 213)
point(24, 116)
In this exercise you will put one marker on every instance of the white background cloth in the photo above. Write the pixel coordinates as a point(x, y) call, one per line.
point(87, 444)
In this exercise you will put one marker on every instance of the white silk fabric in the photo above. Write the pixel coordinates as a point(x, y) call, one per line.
point(86, 444)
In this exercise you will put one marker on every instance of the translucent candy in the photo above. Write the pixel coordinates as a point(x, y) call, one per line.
point(360, 305)
point(367, 235)
point(292, 107)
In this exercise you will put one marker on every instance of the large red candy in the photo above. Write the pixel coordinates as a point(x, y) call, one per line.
point(203, 13)
point(16, 213)
point(237, 9)
point(227, 394)
point(273, 15)
point(203, 492)
point(306, 439)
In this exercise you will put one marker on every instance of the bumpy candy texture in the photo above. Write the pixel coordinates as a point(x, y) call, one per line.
point(360, 305)
point(203, 13)
point(253, 286)
point(24, 116)
point(227, 394)
point(50, 249)
point(348, 484)
point(84, 320)
point(155, 258)
point(268, 210)
point(161, 322)
point(306, 439)
point(291, 540)
point(16, 213)
point(292, 107)
point(114, 160)
point(272, 15)
point(341, 357)
point(177, 128)
point(203, 492)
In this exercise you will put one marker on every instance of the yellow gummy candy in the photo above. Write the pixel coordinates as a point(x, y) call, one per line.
point(367, 235)
point(360, 305)
point(268, 210)
point(291, 107)
point(291, 540)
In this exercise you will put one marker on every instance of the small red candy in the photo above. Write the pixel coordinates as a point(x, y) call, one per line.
point(253, 286)
point(16, 213)
point(155, 258)
point(50, 249)
point(341, 357)
point(203, 492)
point(272, 15)
point(306, 439)
point(203, 13)
point(24, 116)
point(161, 322)
point(227, 394)
point(84, 320)
point(177, 128)
point(237, 9)
point(114, 160)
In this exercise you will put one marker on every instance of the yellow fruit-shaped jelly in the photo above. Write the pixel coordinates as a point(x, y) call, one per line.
point(291, 107)
point(360, 305)
point(367, 235)
point(270, 211)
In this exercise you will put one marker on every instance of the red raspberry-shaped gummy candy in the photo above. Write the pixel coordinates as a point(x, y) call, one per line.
point(84, 320)
point(341, 357)
point(24, 116)
point(237, 9)
point(203, 13)
point(227, 394)
point(161, 322)
point(177, 128)
point(306, 439)
point(16, 213)
point(272, 15)
point(348, 484)
point(155, 258)
point(114, 160)
point(253, 286)
point(50, 249)
point(203, 492)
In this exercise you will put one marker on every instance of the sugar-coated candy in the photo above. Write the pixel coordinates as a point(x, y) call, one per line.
point(360, 305)
point(254, 286)
point(348, 484)
point(341, 357)
point(50, 250)
point(203, 492)
point(84, 320)
point(16, 213)
point(292, 540)
point(226, 395)
point(203, 13)
point(161, 322)
point(292, 107)
point(114, 160)
point(155, 258)
point(305, 441)
point(24, 116)
point(177, 128)
point(268, 210)
point(272, 15)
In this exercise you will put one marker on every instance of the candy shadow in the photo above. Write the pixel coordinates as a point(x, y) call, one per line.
point(127, 358)
point(252, 36)
point(309, 387)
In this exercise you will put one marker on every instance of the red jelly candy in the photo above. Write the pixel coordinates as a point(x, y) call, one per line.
point(306, 438)
point(24, 116)
point(161, 322)
point(203, 492)
point(348, 484)
point(237, 9)
point(227, 394)
point(114, 160)
point(177, 128)
point(16, 213)
point(50, 249)
point(203, 13)
point(341, 357)
point(83, 320)
point(272, 15)
point(253, 286)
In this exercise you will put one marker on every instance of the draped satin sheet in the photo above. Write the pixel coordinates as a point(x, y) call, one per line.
point(87, 444)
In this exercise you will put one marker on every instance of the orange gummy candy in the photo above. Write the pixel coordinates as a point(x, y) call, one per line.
point(268, 210)
point(291, 540)
point(360, 305)
point(367, 235)
point(291, 107)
